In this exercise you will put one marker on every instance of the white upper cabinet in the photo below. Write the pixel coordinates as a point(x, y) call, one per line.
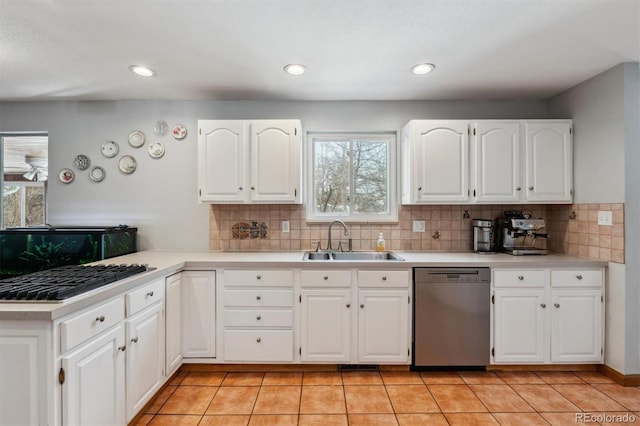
point(257, 161)
point(435, 162)
point(549, 161)
point(496, 162)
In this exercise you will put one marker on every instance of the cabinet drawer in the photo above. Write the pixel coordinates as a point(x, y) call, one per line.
point(383, 279)
point(277, 278)
point(259, 298)
point(576, 278)
point(147, 295)
point(84, 326)
point(258, 345)
point(325, 278)
point(258, 318)
point(519, 278)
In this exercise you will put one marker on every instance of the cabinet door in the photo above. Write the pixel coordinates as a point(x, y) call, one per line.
point(94, 388)
point(549, 164)
point(326, 325)
point(383, 326)
point(145, 357)
point(222, 156)
point(198, 314)
point(441, 161)
point(173, 323)
point(496, 160)
point(275, 161)
point(576, 326)
point(519, 326)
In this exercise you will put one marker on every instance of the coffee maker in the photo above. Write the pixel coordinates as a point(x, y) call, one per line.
point(483, 236)
point(520, 234)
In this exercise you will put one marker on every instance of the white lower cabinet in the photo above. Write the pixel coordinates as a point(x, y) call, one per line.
point(145, 357)
point(173, 323)
point(198, 314)
point(94, 381)
point(325, 325)
point(383, 322)
point(548, 316)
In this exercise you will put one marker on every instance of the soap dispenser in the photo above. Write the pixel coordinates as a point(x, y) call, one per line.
point(380, 244)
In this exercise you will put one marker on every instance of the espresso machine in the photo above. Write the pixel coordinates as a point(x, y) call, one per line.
point(520, 234)
point(483, 239)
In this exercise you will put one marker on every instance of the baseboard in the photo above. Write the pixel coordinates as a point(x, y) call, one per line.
point(543, 367)
point(618, 377)
point(262, 368)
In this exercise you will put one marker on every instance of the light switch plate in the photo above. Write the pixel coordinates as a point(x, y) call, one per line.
point(418, 226)
point(285, 226)
point(604, 218)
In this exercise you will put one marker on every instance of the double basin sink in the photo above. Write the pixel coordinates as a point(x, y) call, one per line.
point(353, 256)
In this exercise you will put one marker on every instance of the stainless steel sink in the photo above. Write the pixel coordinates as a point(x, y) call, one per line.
point(353, 256)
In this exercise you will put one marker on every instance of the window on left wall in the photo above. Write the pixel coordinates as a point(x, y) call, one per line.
point(23, 179)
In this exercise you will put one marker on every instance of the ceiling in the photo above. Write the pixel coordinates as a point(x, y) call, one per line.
point(353, 49)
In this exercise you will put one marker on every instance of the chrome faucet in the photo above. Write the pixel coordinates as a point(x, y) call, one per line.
point(346, 234)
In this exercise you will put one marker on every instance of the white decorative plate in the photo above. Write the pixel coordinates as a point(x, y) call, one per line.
point(160, 128)
point(127, 164)
point(66, 175)
point(156, 150)
point(136, 139)
point(109, 149)
point(81, 162)
point(97, 174)
point(179, 131)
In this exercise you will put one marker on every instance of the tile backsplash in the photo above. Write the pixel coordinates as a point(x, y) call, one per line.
point(447, 228)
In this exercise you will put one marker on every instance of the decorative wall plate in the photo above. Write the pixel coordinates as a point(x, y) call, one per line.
point(136, 139)
point(127, 164)
point(81, 162)
point(109, 149)
point(66, 175)
point(97, 174)
point(160, 128)
point(179, 131)
point(156, 150)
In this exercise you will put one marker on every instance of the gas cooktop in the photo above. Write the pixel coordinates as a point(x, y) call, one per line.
point(67, 281)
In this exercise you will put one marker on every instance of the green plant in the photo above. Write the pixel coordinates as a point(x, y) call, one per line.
point(47, 254)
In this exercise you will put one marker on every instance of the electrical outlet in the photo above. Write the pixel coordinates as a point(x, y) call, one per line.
point(604, 218)
point(418, 226)
point(285, 226)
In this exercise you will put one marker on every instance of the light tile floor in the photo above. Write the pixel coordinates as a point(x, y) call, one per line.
point(393, 398)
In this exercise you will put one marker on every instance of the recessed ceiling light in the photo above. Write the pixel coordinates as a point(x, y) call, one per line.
point(142, 71)
point(424, 68)
point(295, 69)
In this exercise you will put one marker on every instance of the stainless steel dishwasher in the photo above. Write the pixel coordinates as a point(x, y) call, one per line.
point(451, 317)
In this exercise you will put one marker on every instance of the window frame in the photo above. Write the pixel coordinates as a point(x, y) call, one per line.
point(391, 137)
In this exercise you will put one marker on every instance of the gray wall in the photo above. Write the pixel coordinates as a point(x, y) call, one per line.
point(160, 197)
point(605, 117)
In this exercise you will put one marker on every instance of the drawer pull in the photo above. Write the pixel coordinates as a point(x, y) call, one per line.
point(100, 318)
point(150, 294)
point(579, 277)
point(122, 348)
point(258, 317)
point(557, 305)
point(384, 278)
point(258, 340)
point(259, 277)
point(531, 188)
point(362, 305)
point(134, 340)
point(544, 305)
point(520, 277)
point(258, 297)
point(348, 305)
point(326, 278)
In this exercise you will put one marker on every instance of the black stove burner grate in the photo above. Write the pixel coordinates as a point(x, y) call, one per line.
point(64, 282)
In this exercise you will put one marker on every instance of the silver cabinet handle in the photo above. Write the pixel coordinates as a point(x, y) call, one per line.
point(348, 305)
point(544, 305)
point(518, 188)
point(122, 348)
point(258, 297)
point(150, 294)
point(419, 188)
point(557, 305)
point(134, 340)
point(579, 277)
point(253, 187)
point(259, 277)
point(326, 278)
point(531, 188)
point(520, 277)
point(100, 318)
point(258, 340)
point(258, 317)
point(384, 278)
point(362, 305)
point(240, 188)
